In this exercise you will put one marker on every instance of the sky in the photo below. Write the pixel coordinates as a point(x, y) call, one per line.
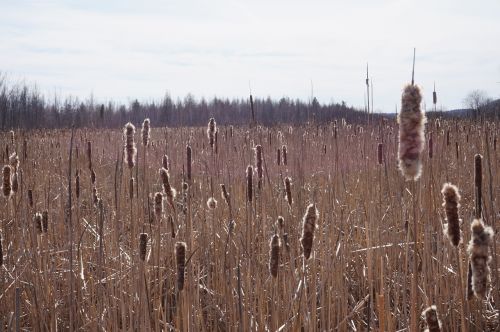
point(122, 49)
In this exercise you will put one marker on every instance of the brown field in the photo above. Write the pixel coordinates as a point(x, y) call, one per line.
point(365, 271)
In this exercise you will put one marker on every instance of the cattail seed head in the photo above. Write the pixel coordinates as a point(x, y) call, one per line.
point(77, 184)
point(249, 183)
point(131, 188)
point(1, 251)
point(478, 184)
point(89, 154)
point(143, 243)
point(411, 133)
point(189, 161)
point(172, 226)
point(258, 162)
point(167, 188)
point(308, 226)
point(451, 199)
point(280, 223)
point(180, 258)
point(12, 137)
point(212, 203)
point(158, 205)
point(30, 198)
point(274, 255)
point(15, 183)
point(431, 318)
point(211, 130)
point(225, 194)
point(145, 131)
point(283, 148)
point(478, 250)
point(278, 156)
point(45, 221)
point(288, 191)
point(434, 97)
point(379, 153)
point(164, 162)
point(38, 219)
point(7, 184)
point(130, 149)
point(431, 147)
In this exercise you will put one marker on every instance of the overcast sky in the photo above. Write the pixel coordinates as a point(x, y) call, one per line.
point(127, 49)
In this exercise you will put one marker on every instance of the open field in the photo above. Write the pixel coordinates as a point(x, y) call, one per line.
point(366, 271)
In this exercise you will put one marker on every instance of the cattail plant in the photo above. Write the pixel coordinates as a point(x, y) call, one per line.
point(165, 162)
point(15, 182)
point(7, 184)
point(45, 221)
point(14, 161)
point(131, 188)
point(145, 131)
point(1, 251)
point(30, 198)
point(451, 199)
point(130, 149)
point(38, 220)
point(180, 258)
point(158, 205)
point(225, 195)
point(431, 319)
point(89, 154)
point(258, 163)
point(249, 183)
point(95, 196)
point(278, 156)
point(77, 185)
point(12, 137)
point(379, 153)
point(288, 191)
point(274, 255)
point(478, 184)
point(211, 130)
point(308, 226)
point(92, 177)
point(284, 153)
point(411, 133)
point(212, 203)
point(167, 188)
point(431, 147)
point(481, 238)
point(143, 243)
point(280, 223)
point(189, 161)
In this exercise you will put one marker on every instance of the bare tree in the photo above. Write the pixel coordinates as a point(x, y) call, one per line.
point(476, 100)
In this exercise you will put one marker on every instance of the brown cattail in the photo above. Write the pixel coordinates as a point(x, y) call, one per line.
point(495, 143)
point(434, 97)
point(258, 163)
point(411, 133)
point(130, 149)
point(280, 223)
point(12, 137)
point(143, 243)
point(212, 203)
point(249, 183)
point(92, 177)
point(180, 257)
point(30, 198)
point(15, 183)
point(216, 142)
point(212, 128)
point(89, 154)
point(38, 222)
point(189, 161)
point(481, 237)
point(379, 153)
point(308, 226)
point(158, 205)
point(77, 184)
point(288, 191)
point(278, 156)
point(478, 184)
point(283, 148)
point(451, 199)
point(431, 318)
point(167, 188)
point(456, 150)
point(45, 221)
point(164, 162)
point(145, 132)
point(431, 147)
point(225, 195)
point(25, 149)
point(274, 255)
point(448, 137)
point(1, 251)
point(131, 188)
point(7, 184)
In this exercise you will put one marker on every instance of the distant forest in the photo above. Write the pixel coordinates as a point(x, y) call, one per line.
point(22, 106)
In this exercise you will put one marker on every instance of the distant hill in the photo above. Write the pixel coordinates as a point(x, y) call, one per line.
point(490, 110)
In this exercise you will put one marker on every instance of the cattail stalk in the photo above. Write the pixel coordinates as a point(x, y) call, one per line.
point(308, 226)
point(411, 133)
point(180, 258)
point(451, 203)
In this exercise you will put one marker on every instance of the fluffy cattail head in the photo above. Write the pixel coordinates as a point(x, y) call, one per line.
point(7, 184)
point(288, 190)
point(308, 226)
point(189, 161)
point(143, 243)
point(478, 250)
point(431, 318)
point(274, 255)
point(249, 183)
point(212, 203)
point(451, 203)
point(478, 184)
point(158, 205)
point(167, 188)
point(130, 149)
point(164, 162)
point(38, 220)
point(145, 132)
point(211, 130)
point(180, 258)
point(411, 133)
